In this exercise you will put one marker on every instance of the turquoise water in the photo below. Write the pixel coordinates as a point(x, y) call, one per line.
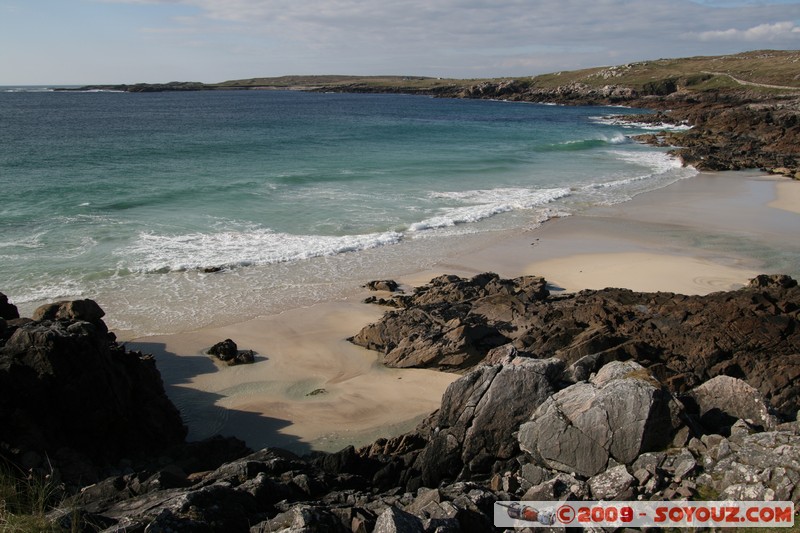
point(132, 199)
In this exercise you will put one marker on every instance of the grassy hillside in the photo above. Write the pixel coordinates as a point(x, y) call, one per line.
point(413, 83)
point(749, 69)
point(763, 67)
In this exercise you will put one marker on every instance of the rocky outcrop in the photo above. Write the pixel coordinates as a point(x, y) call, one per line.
point(595, 395)
point(451, 323)
point(74, 397)
point(378, 488)
point(619, 414)
point(479, 413)
point(732, 128)
point(732, 131)
point(752, 333)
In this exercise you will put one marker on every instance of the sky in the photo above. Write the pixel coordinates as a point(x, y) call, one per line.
point(78, 42)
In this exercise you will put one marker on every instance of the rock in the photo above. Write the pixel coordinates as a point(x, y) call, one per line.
point(451, 323)
point(775, 280)
point(751, 334)
point(680, 464)
point(68, 388)
point(618, 415)
point(8, 311)
point(244, 357)
point(769, 460)
point(535, 474)
point(722, 400)
point(393, 520)
point(560, 487)
point(479, 414)
point(613, 484)
point(228, 352)
point(383, 285)
point(224, 350)
point(86, 310)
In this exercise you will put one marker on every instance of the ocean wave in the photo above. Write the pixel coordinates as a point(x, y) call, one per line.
point(657, 162)
point(26, 242)
point(485, 204)
point(26, 89)
point(588, 144)
point(48, 291)
point(622, 122)
point(659, 169)
point(229, 249)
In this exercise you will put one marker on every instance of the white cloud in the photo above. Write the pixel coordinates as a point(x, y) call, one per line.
point(224, 39)
point(780, 31)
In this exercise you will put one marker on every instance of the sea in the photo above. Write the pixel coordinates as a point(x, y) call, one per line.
point(181, 210)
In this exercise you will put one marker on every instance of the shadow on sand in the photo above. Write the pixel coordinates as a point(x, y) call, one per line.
point(200, 410)
point(554, 288)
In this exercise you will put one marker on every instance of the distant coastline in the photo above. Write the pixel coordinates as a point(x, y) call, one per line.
point(743, 108)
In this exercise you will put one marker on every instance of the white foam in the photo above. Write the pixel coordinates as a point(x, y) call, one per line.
point(617, 138)
point(622, 122)
point(660, 168)
point(657, 162)
point(62, 290)
point(486, 203)
point(29, 241)
point(164, 253)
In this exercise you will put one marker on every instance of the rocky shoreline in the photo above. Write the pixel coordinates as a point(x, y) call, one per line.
point(608, 394)
point(732, 129)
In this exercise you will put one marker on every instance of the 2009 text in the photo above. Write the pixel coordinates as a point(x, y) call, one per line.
point(645, 514)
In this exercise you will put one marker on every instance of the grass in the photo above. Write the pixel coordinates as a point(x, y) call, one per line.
point(25, 500)
point(702, 73)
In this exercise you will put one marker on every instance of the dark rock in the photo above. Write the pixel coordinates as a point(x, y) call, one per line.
point(751, 333)
point(383, 285)
point(245, 357)
point(776, 280)
point(224, 350)
point(452, 322)
point(230, 353)
point(67, 386)
point(8, 311)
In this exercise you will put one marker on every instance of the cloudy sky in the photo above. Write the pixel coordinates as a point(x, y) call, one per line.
point(127, 41)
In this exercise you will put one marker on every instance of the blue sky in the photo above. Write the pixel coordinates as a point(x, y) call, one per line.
point(127, 41)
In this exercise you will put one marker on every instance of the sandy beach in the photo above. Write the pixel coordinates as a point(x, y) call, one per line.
point(310, 389)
